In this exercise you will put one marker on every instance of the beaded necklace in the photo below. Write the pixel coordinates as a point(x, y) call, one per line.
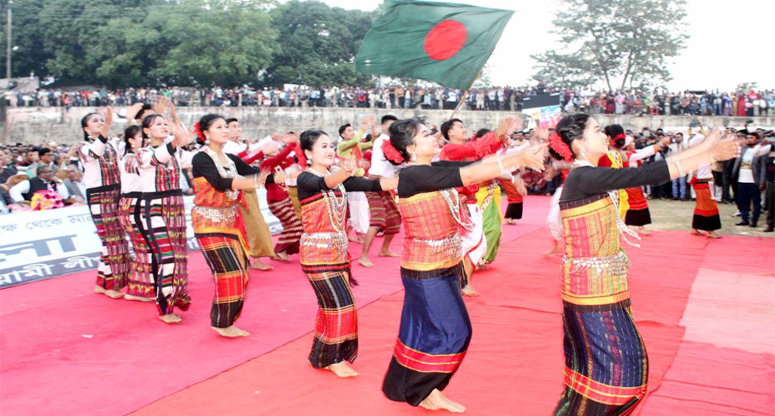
point(228, 174)
point(337, 208)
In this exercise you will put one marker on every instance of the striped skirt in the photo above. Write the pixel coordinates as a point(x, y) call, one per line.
point(606, 366)
point(706, 214)
point(427, 359)
point(163, 216)
point(229, 263)
point(638, 213)
point(140, 274)
point(383, 212)
point(336, 325)
point(288, 240)
point(113, 268)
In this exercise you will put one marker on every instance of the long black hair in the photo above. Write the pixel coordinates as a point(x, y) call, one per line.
point(308, 138)
point(206, 122)
point(85, 123)
point(147, 122)
point(402, 134)
point(572, 128)
point(129, 133)
point(613, 131)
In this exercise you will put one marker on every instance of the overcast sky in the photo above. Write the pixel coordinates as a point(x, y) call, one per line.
point(729, 42)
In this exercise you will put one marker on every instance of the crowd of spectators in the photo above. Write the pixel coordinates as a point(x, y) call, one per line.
point(657, 102)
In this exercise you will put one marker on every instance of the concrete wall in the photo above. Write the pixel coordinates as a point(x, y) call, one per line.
point(45, 124)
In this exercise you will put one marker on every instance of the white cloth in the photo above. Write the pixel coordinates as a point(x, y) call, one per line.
point(23, 187)
point(359, 211)
point(379, 165)
point(554, 219)
point(705, 171)
point(130, 174)
point(92, 174)
point(474, 243)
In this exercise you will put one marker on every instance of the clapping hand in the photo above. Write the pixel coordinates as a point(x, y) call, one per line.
point(533, 157)
point(725, 149)
point(348, 165)
point(182, 137)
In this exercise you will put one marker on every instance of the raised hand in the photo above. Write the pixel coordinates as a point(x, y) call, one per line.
point(713, 138)
point(533, 157)
point(270, 149)
point(725, 149)
point(161, 105)
point(132, 111)
point(182, 137)
point(348, 165)
point(506, 125)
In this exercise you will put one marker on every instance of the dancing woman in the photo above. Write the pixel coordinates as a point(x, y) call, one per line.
point(163, 213)
point(606, 366)
point(435, 328)
point(325, 258)
point(140, 287)
point(633, 206)
point(218, 223)
point(103, 191)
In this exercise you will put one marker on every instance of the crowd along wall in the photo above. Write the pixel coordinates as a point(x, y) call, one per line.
point(46, 124)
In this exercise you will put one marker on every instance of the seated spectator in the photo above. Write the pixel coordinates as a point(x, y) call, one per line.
point(23, 192)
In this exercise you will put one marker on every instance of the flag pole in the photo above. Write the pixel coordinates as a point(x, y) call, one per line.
point(463, 98)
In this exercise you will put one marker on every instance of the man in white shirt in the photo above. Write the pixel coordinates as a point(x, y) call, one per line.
point(24, 191)
point(383, 211)
point(750, 171)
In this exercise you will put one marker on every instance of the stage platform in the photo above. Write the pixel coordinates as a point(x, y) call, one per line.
point(706, 309)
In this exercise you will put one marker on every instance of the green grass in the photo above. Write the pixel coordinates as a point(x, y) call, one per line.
point(677, 215)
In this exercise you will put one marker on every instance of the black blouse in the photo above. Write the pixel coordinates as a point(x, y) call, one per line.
point(440, 175)
point(310, 185)
point(586, 181)
point(204, 165)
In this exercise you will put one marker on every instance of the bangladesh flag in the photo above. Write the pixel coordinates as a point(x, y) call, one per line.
point(442, 42)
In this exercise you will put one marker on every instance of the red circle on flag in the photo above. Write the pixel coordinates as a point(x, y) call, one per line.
point(445, 40)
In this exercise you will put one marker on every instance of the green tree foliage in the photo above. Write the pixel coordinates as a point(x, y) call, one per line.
point(610, 40)
point(317, 44)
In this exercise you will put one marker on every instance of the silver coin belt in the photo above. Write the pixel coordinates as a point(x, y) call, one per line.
point(325, 240)
point(451, 244)
point(616, 265)
point(226, 214)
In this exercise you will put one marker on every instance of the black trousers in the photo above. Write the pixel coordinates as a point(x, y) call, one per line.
point(747, 193)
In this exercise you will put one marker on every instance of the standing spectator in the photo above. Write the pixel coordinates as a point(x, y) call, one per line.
point(751, 174)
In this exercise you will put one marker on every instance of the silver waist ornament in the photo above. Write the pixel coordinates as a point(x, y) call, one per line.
point(336, 240)
point(453, 244)
point(227, 214)
point(617, 265)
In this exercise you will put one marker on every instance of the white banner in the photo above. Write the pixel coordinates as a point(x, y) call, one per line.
point(41, 244)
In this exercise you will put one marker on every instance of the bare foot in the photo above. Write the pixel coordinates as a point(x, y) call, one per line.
point(231, 332)
point(643, 231)
point(509, 221)
point(365, 262)
point(113, 294)
point(138, 298)
point(697, 232)
point(170, 318)
point(437, 401)
point(342, 370)
point(388, 253)
point(713, 235)
point(281, 256)
point(469, 291)
point(552, 252)
point(260, 265)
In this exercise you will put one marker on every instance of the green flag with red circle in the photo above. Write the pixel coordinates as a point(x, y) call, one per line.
point(446, 43)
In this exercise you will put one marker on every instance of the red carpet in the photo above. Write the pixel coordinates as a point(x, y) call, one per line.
point(64, 349)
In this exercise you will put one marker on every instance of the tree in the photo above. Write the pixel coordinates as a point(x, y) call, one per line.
point(318, 44)
point(747, 86)
point(628, 40)
point(214, 42)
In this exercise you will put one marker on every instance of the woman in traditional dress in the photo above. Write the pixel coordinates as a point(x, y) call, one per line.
point(435, 329)
point(706, 215)
point(280, 204)
point(218, 224)
point(325, 258)
point(606, 366)
point(141, 286)
point(633, 206)
point(99, 159)
point(163, 212)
